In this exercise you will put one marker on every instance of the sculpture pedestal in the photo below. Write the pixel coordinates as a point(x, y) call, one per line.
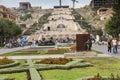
point(80, 54)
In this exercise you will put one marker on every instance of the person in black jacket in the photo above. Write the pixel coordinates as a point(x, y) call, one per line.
point(109, 45)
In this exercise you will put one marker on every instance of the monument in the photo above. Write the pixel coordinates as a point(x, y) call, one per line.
point(81, 41)
point(61, 6)
point(81, 47)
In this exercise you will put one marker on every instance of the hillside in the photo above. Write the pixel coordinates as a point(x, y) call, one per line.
point(91, 16)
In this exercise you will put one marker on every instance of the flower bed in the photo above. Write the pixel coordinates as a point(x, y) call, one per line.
point(73, 48)
point(5, 60)
point(54, 61)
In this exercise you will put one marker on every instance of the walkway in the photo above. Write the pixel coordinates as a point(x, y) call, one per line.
point(103, 49)
point(6, 50)
point(35, 57)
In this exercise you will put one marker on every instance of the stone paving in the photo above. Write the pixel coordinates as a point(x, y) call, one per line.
point(103, 49)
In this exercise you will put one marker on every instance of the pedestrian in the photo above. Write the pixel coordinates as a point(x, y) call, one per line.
point(114, 44)
point(33, 42)
point(109, 45)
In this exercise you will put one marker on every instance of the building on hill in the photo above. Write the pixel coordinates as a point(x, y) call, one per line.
point(102, 3)
point(25, 6)
point(7, 13)
point(104, 13)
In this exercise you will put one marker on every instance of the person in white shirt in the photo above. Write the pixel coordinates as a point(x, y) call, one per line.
point(114, 44)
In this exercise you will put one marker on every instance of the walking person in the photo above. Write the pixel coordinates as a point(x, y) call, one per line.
point(114, 44)
point(109, 45)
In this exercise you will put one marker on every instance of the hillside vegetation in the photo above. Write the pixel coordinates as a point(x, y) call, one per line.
point(91, 16)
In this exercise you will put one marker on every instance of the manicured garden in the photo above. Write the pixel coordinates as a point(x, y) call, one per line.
point(55, 68)
point(74, 69)
point(104, 66)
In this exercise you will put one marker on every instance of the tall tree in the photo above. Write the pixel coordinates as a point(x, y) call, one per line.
point(8, 28)
point(112, 26)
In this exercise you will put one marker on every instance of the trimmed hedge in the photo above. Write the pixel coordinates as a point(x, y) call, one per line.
point(7, 71)
point(74, 64)
point(6, 60)
point(9, 65)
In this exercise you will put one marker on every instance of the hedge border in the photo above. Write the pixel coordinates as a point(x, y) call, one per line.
point(70, 65)
point(9, 65)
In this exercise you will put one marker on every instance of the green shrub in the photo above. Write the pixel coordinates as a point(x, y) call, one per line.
point(7, 71)
point(25, 17)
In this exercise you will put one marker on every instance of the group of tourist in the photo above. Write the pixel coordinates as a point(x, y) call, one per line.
point(112, 45)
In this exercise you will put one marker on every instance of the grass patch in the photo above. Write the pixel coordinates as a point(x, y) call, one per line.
point(97, 52)
point(17, 76)
point(104, 66)
point(39, 52)
point(19, 53)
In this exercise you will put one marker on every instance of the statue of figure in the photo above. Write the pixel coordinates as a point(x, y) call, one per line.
point(24, 41)
point(89, 44)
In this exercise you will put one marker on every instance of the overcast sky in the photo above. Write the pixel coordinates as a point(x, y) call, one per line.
point(43, 3)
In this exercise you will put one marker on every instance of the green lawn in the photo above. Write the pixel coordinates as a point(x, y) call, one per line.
point(19, 53)
point(40, 52)
point(17, 76)
point(97, 52)
point(104, 66)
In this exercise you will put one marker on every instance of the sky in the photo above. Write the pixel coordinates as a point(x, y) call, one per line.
point(44, 3)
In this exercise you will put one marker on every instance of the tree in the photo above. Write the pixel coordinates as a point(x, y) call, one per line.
point(25, 17)
point(8, 29)
point(112, 26)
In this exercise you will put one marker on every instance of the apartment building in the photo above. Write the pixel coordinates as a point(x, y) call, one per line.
point(25, 6)
point(6, 13)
